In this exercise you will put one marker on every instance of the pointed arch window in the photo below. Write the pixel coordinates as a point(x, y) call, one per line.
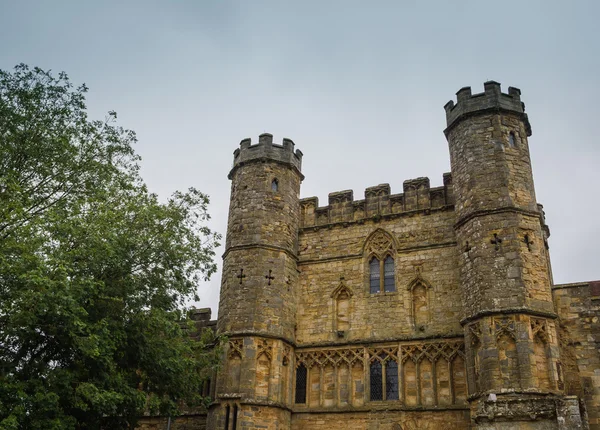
point(379, 254)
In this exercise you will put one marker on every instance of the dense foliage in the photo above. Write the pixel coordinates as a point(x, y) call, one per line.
point(94, 270)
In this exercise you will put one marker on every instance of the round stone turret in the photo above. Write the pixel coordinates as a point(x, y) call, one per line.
point(257, 308)
point(500, 232)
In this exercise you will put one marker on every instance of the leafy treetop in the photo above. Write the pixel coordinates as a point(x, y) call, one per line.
point(95, 271)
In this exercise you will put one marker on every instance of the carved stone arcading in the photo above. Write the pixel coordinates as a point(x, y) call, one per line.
point(383, 354)
point(285, 360)
point(505, 326)
point(335, 357)
point(265, 348)
point(475, 334)
point(432, 351)
point(236, 346)
point(539, 329)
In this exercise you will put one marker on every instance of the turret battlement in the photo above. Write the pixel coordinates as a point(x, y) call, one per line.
point(378, 201)
point(492, 99)
point(267, 150)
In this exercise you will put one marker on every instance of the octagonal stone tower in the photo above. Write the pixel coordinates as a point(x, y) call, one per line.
point(257, 308)
point(509, 320)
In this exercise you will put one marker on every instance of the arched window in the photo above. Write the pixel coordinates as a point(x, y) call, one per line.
point(275, 185)
point(379, 251)
point(511, 139)
point(301, 374)
point(375, 276)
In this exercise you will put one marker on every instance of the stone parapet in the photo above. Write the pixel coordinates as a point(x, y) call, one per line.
point(378, 202)
point(491, 99)
point(267, 150)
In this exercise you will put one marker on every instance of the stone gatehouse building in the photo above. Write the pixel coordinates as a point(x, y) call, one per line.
point(433, 308)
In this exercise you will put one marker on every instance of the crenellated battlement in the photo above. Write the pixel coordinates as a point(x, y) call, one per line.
point(378, 202)
point(492, 99)
point(267, 150)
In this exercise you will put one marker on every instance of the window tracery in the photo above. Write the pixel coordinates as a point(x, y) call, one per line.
point(380, 251)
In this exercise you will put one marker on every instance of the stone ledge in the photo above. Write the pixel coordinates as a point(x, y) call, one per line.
point(379, 407)
point(508, 311)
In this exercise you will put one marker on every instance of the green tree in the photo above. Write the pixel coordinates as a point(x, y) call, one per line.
point(95, 271)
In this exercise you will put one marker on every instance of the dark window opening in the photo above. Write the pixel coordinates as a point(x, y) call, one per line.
point(206, 388)
point(235, 413)
point(384, 380)
point(375, 276)
point(275, 185)
point(511, 139)
point(301, 374)
point(376, 381)
point(227, 410)
point(391, 380)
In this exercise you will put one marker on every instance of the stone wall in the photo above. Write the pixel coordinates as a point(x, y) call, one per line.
point(185, 422)
point(578, 306)
point(388, 419)
point(335, 258)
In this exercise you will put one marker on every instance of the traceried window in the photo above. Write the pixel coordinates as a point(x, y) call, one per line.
point(379, 251)
point(380, 283)
point(301, 374)
point(384, 380)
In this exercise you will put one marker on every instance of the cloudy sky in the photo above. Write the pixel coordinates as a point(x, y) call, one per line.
point(358, 85)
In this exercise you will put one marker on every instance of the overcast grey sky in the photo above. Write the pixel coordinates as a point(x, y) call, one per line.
point(358, 85)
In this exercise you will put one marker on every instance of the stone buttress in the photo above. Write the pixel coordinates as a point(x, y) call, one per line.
point(513, 362)
point(257, 309)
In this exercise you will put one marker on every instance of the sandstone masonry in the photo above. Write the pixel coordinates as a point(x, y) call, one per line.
point(430, 309)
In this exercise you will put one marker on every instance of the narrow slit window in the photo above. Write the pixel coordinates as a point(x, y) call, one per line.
point(206, 388)
point(388, 279)
point(375, 276)
point(275, 185)
point(301, 374)
point(234, 418)
point(376, 381)
point(511, 139)
point(227, 410)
